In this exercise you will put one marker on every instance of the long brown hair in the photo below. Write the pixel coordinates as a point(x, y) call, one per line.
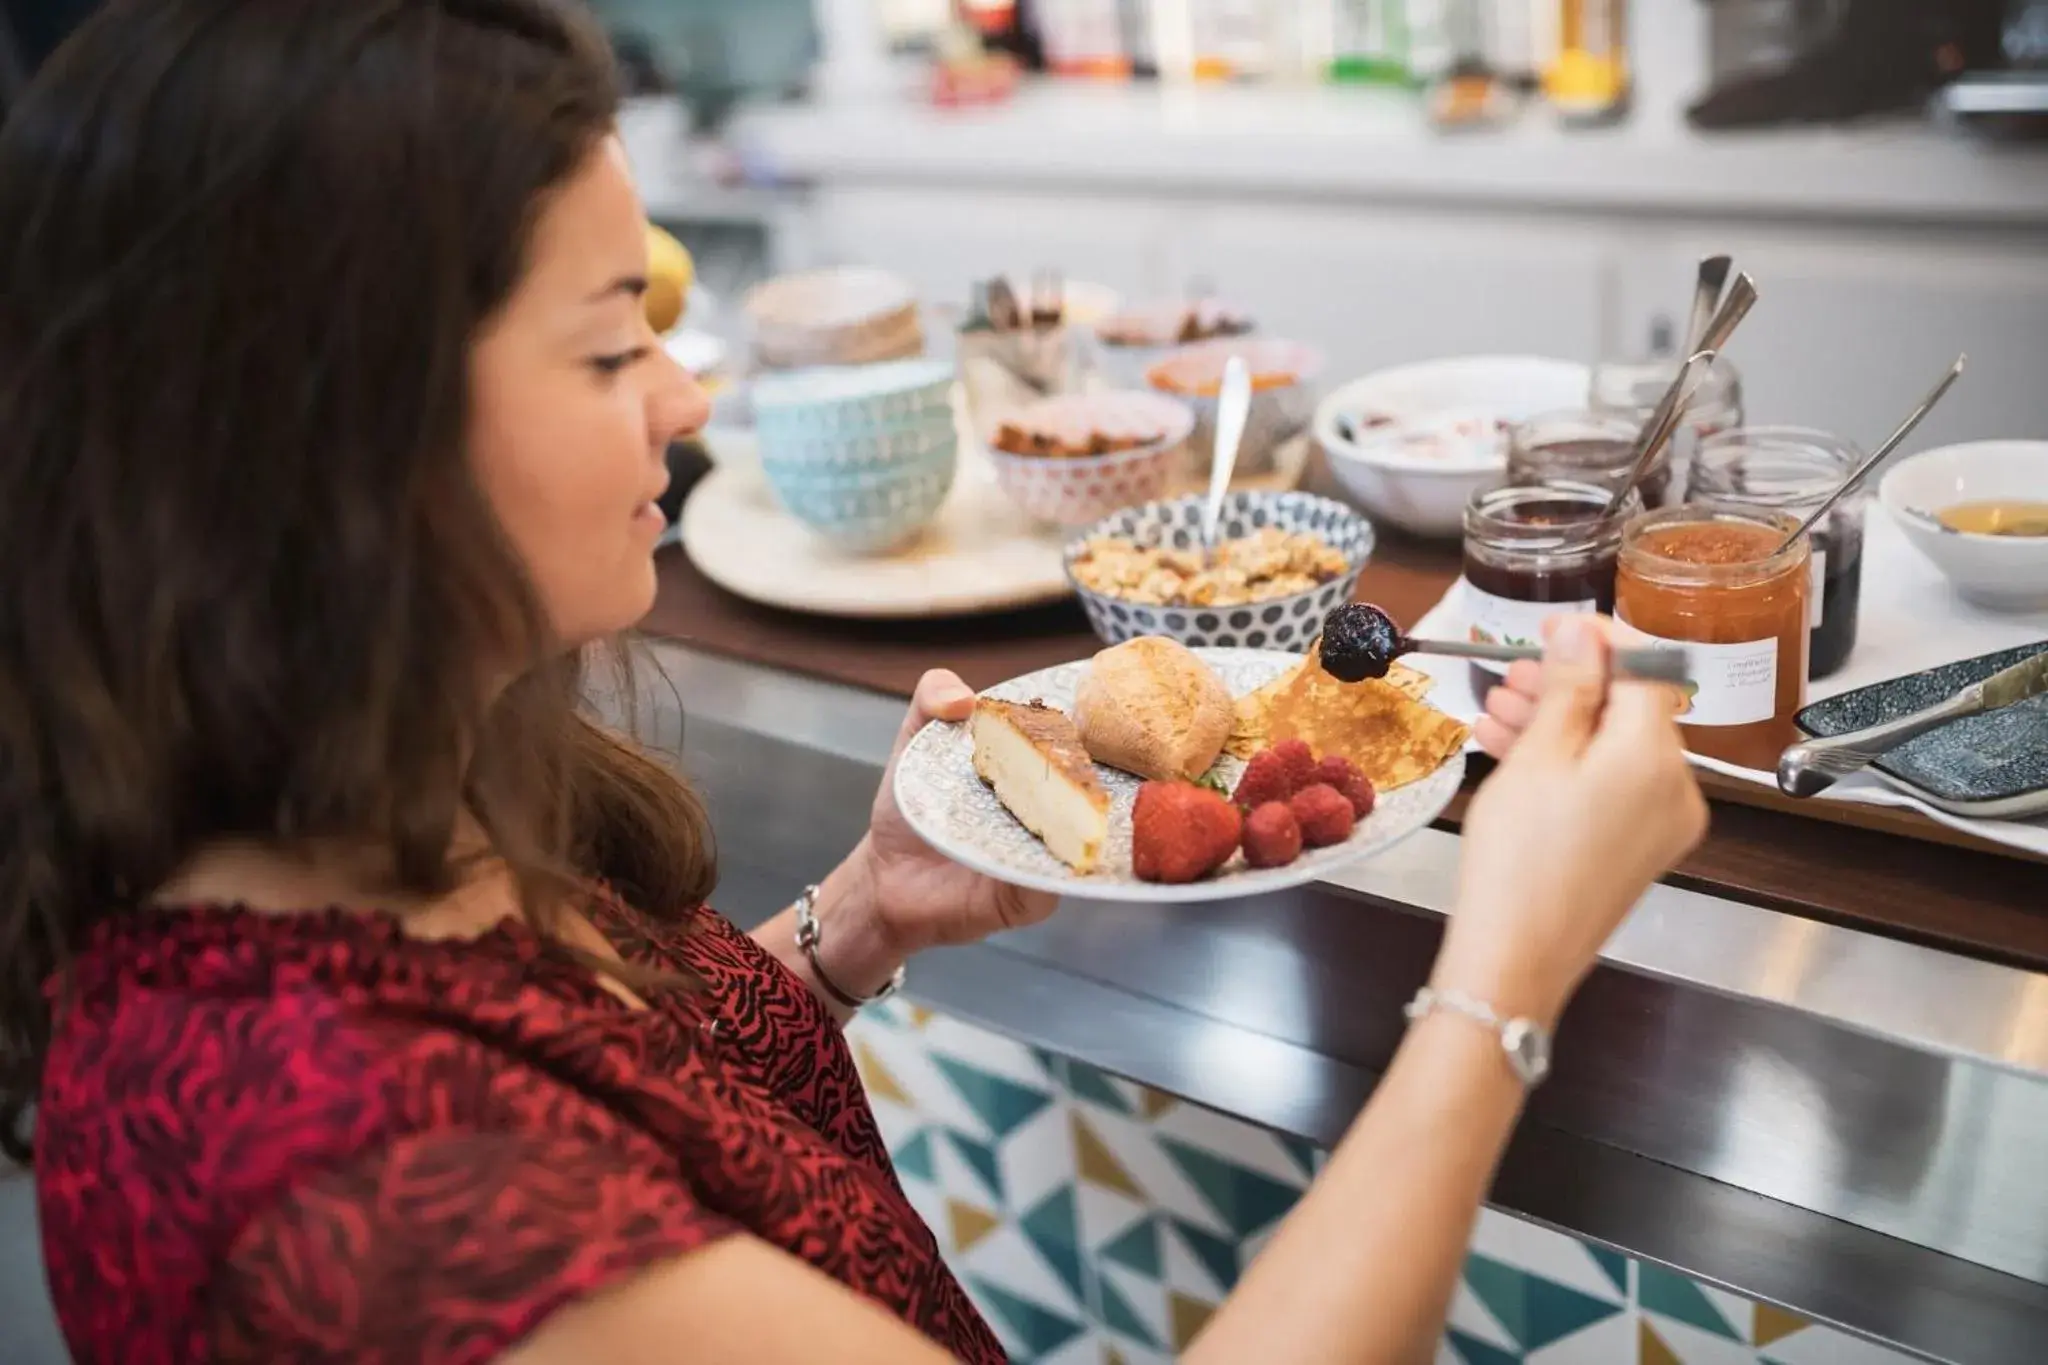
point(248, 587)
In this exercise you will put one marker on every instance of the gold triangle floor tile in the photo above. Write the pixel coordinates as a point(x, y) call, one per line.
point(1097, 1164)
point(1775, 1324)
point(969, 1225)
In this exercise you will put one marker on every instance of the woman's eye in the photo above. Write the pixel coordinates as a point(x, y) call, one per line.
point(609, 365)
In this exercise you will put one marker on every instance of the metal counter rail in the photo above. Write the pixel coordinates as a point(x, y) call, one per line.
point(1840, 1123)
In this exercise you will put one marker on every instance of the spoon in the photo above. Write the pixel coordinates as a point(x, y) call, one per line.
point(1663, 424)
point(1233, 405)
point(1361, 641)
point(1664, 421)
point(1878, 456)
point(1706, 297)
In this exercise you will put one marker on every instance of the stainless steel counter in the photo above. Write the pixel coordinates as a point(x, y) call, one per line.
point(1848, 1126)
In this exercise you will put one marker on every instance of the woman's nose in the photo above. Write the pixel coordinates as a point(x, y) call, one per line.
point(679, 407)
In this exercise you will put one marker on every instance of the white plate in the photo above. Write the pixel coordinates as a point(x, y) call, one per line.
point(956, 813)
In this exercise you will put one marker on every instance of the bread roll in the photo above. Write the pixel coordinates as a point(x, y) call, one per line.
point(1151, 708)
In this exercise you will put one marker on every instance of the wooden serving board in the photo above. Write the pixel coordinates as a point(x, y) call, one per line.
point(980, 555)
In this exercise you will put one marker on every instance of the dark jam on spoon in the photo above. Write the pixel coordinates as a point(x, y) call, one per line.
point(1359, 642)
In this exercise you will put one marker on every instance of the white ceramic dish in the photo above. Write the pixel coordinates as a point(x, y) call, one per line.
point(1077, 490)
point(957, 814)
point(1194, 375)
point(1997, 573)
point(1419, 469)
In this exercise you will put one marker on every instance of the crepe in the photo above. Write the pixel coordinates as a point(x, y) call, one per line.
point(1249, 735)
point(1379, 725)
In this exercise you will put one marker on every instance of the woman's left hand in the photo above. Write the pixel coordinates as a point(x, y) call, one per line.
point(922, 899)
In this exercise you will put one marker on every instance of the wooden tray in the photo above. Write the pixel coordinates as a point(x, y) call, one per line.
point(981, 555)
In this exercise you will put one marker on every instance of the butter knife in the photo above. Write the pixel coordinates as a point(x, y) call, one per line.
point(1810, 768)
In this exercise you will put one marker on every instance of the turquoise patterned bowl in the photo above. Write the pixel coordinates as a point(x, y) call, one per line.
point(865, 456)
point(853, 399)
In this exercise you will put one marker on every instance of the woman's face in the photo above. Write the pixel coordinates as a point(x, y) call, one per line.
point(575, 402)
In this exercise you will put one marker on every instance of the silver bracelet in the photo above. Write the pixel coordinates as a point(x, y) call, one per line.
point(1525, 1041)
point(809, 933)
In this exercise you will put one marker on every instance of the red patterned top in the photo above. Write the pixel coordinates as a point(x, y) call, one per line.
point(314, 1138)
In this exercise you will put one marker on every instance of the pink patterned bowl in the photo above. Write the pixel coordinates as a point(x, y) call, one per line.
point(1079, 490)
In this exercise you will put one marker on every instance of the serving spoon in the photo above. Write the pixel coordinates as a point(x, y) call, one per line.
point(1878, 456)
point(1670, 409)
point(1361, 641)
point(1233, 406)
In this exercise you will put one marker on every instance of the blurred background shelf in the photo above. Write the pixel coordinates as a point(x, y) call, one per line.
point(1346, 144)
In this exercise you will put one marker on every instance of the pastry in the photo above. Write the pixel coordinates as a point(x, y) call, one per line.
point(1032, 757)
point(1151, 708)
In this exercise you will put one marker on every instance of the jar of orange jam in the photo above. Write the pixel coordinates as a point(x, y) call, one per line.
point(1713, 580)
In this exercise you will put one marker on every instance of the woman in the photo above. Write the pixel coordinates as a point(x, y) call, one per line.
point(361, 984)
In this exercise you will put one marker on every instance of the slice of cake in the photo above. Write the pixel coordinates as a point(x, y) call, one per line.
point(1032, 757)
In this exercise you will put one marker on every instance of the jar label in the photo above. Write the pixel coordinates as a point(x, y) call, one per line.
point(1815, 605)
point(1492, 620)
point(1731, 684)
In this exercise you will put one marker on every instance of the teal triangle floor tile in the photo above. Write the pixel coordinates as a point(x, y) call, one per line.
point(914, 1157)
point(1037, 1331)
point(1119, 1317)
point(997, 1101)
point(1535, 1311)
point(982, 1158)
point(1053, 1066)
point(1135, 1248)
point(1247, 1201)
point(1217, 1256)
point(1674, 1296)
point(1089, 1084)
point(1054, 1228)
point(1473, 1351)
point(1302, 1153)
point(1612, 1264)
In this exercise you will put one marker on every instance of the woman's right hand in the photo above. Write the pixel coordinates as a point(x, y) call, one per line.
point(1593, 801)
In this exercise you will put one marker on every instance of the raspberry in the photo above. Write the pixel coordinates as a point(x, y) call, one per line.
point(1272, 836)
point(1296, 761)
point(1265, 779)
point(1351, 784)
point(1181, 832)
point(1325, 815)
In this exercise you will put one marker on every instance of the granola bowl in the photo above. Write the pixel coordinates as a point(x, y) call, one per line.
point(1284, 561)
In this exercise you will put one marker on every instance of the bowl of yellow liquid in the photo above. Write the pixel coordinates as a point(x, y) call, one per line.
point(1980, 512)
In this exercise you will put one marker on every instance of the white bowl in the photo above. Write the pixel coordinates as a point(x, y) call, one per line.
point(1075, 490)
point(1998, 573)
point(1416, 472)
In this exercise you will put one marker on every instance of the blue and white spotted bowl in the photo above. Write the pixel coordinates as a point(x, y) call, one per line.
point(1286, 623)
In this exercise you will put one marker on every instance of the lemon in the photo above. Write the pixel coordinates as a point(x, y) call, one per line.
point(670, 272)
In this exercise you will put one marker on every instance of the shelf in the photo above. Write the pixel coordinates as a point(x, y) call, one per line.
point(1351, 144)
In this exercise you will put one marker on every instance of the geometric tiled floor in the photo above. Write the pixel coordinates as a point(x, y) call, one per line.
point(1097, 1222)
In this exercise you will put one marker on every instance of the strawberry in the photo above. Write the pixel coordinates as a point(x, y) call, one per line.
point(1325, 815)
point(1272, 836)
point(1351, 784)
point(1181, 832)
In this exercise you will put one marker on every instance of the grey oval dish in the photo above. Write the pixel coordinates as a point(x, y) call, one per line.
point(1288, 623)
point(1993, 766)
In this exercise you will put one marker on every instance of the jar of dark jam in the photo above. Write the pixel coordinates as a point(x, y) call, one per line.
point(1792, 470)
point(1534, 551)
point(1587, 447)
